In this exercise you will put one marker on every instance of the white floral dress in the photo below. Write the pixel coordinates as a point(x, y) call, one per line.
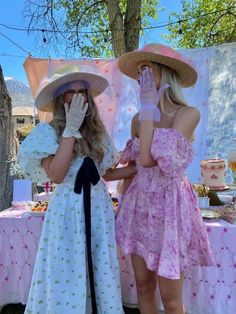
point(60, 279)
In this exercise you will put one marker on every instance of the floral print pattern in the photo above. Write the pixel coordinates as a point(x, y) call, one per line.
point(159, 219)
point(60, 279)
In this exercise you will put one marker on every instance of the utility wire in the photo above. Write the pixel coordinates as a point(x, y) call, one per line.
point(3, 54)
point(14, 43)
point(102, 31)
point(92, 32)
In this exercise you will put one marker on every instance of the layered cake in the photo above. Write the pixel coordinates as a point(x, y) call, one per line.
point(213, 173)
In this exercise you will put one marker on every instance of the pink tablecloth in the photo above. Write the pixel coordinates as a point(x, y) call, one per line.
point(209, 290)
point(19, 237)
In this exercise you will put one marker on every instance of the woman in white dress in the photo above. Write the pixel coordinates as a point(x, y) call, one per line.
point(76, 268)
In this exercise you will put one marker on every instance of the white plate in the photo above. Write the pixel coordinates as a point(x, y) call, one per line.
point(225, 198)
point(210, 214)
point(36, 213)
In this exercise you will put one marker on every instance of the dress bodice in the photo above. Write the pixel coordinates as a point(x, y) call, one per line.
point(43, 142)
point(173, 153)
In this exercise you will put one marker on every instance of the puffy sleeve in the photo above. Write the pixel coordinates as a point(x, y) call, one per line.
point(172, 151)
point(127, 153)
point(111, 156)
point(40, 143)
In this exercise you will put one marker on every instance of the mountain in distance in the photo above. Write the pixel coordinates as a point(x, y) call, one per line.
point(19, 92)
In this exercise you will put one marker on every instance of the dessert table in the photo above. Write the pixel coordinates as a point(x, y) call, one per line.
point(210, 290)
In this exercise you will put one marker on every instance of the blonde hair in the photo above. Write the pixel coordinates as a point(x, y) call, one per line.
point(174, 93)
point(92, 129)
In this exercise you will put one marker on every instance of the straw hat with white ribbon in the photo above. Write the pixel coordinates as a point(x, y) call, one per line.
point(48, 89)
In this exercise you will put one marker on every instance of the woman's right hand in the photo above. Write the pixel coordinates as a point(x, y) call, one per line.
point(148, 88)
point(150, 96)
point(75, 113)
point(149, 93)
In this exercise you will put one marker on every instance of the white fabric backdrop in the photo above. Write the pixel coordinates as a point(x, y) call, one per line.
point(221, 127)
point(198, 97)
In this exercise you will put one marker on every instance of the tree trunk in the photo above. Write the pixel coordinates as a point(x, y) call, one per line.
point(6, 144)
point(132, 25)
point(125, 34)
point(116, 27)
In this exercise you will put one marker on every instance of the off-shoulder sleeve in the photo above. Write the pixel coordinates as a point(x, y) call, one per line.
point(40, 143)
point(127, 153)
point(172, 151)
point(111, 156)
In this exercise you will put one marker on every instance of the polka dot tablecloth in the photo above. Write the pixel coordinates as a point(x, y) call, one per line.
point(207, 290)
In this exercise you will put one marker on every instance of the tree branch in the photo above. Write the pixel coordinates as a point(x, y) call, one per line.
point(216, 21)
point(88, 8)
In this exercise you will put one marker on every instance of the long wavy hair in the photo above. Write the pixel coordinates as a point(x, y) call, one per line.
point(174, 93)
point(92, 129)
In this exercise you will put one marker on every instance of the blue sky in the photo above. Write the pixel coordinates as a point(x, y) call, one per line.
point(12, 57)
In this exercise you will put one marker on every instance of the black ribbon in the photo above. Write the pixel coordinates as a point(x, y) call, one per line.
point(86, 175)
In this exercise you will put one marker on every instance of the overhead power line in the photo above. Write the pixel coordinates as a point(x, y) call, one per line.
point(14, 43)
point(3, 54)
point(26, 29)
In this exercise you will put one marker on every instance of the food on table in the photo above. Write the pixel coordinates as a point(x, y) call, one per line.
point(201, 190)
point(210, 214)
point(213, 173)
point(115, 202)
point(40, 206)
point(229, 213)
point(214, 199)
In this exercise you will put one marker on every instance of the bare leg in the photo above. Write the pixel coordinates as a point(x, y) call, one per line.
point(146, 282)
point(172, 295)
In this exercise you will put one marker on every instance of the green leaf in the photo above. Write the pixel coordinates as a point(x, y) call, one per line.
point(204, 23)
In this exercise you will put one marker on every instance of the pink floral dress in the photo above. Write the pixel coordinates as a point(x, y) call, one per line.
point(159, 219)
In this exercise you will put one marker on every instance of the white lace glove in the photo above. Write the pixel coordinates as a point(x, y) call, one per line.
point(75, 114)
point(150, 96)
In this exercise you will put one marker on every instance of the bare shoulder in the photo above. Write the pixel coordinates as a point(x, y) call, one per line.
point(186, 120)
point(135, 125)
point(188, 112)
point(135, 118)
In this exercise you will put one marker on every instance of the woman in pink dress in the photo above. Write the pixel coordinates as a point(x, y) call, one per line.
point(159, 222)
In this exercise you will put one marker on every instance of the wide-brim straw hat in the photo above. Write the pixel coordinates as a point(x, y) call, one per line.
point(160, 54)
point(66, 74)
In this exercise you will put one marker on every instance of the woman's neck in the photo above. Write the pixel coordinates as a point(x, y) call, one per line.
point(169, 109)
